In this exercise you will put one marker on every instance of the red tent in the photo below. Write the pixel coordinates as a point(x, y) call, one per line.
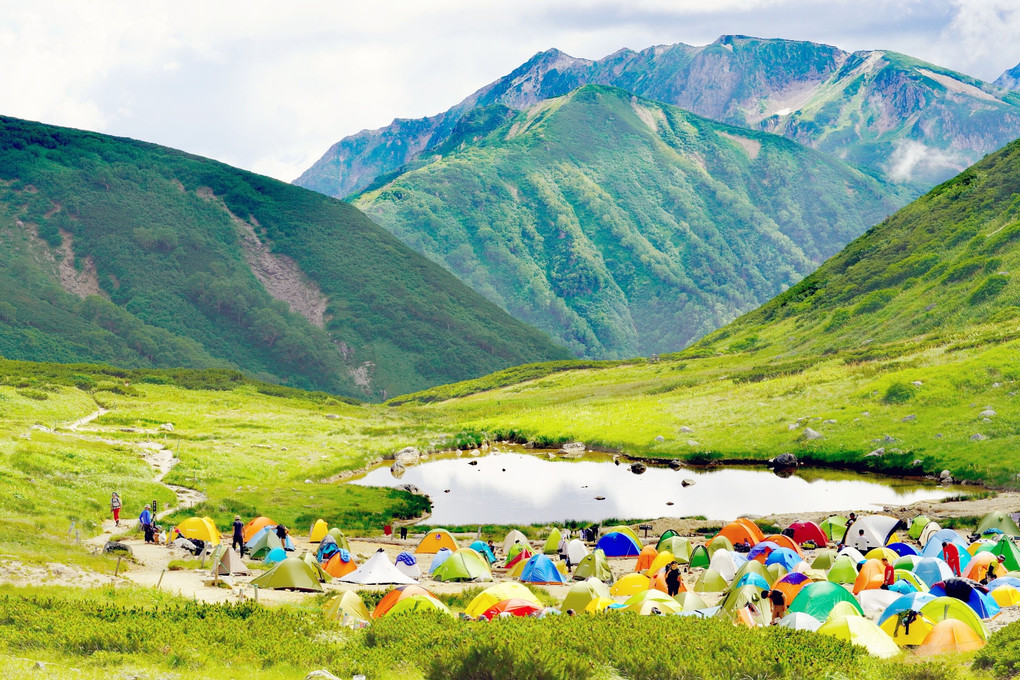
point(808, 531)
point(514, 606)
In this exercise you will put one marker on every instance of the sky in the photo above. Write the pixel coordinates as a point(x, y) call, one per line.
point(270, 86)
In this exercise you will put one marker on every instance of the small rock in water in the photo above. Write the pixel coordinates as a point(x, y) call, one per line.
point(674, 465)
point(600, 498)
point(907, 419)
point(572, 447)
point(638, 468)
point(669, 502)
point(472, 462)
point(446, 491)
point(687, 482)
point(784, 460)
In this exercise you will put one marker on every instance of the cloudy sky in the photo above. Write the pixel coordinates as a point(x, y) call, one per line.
point(269, 86)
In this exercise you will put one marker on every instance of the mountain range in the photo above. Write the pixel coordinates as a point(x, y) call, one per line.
point(622, 226)
point(125, 252)
point(901, 118)
point(1010, 79)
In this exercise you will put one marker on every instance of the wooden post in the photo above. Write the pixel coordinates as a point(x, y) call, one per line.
point(256, 594)
point(160, 581)
point(116, 572)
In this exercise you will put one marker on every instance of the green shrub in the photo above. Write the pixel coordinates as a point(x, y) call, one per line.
point(988, 289)
point(898, 393)
point(874, 301)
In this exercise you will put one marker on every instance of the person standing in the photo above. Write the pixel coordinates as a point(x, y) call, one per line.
point(115, 507)
point(146, 520)
point(237, 542)
point(673, 579)
point(952, 556)
point(889, 576)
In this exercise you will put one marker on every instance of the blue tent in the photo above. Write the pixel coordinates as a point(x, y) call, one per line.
point(752, 579)
point(287, 544)
point(763, 547)
point(326, 549)
point(933, 548)
point(901, 604)
point(903, 587)
point(1004, 581)
point(440, 557)
point(940, 536)
point(616, 544)
point(482, 548)
point(931, 570)
point(540, 569)
point(784, 556)
point(967, 591)
point(275, 555)
point(902, 549)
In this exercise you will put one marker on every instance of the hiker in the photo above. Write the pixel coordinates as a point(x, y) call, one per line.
point(403, 533)
point(990, 572)
point(281, 533)
point(846, 530)
point(237, 542)
point(778, 601)
point(952, 556)
point(146, 520)
point(492, 548)
point(673, 579)
point(861, 541)
point(115, 507)
point(889, 577)
point(562, 550)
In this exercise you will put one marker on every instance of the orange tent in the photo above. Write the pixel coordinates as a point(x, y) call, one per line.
point(395, 596)
point(742, 530)
point(871, 575)
point(255, 526)
point(645, 559)
point(435, 540)
point(336, 567)
point(659, 582)
point(790, 587)
point(785, 542)
point(950, 635)
point(978, 566)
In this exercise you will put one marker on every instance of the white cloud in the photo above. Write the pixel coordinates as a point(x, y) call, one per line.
point(910, 158)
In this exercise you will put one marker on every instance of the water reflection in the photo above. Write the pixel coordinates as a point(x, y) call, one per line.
point(511, 488)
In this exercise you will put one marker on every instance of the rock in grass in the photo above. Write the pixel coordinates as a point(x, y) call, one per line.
point(829, 422)
point(811, 435)
point(407, 456)
point(793, 426)
point(907, 419)
point(674, 465)
point(660, 438)
point(321, 675)
point(917, 462)
point(938, 436)
point(888, 439)
point(332, 416)
point(876, 453)
point(693, 442)
point(988, 413)
point(978, 437)
point(686, 430)
point(917, 383)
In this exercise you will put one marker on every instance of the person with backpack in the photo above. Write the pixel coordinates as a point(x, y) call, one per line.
point(146, 520)
point(237, 542)
point(115, 507)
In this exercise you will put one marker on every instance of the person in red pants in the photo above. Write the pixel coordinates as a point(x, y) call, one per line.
point(952, 556)
point(115, 507)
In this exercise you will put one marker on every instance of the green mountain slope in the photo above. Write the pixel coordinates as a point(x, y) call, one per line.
point(622, 226)
point(125, 252)
point(910, 121)
point(899, 354)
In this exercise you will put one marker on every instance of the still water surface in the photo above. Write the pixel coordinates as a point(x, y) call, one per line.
point(522, 488)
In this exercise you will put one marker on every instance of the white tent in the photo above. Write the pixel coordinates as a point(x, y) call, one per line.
point(407, 564)
point(930, 529)
point(378, 570)
point(514, 536)
point(226, 561)
point(876, 600)
point(856, 555)
point(722, 562)
point(799, 621)
point(877, 530)
point(576, 550)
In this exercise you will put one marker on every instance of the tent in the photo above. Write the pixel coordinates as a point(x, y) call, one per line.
point(501, 591)
point(630, 584)
point(513, 536)
point(700, 557)
point(979, 545)
point(623, 529)
point(583, 592)
point(878, 530)
point(843, 570)
point(521, 555)
point(327, 547)
point(935, 541)
point(804, 532)
point(876, 600)
point(791, 585)
point(417, 603)
point(974, 595)
point(434, 541)
point(226, 561)
point(646, 557)
point(823, 559)
point(576, 550)
point(719, 543)
point(799, 621)
point(950, 635)
point(540, 569)
point(320, 573)
point(752, 579)
point(871, 575)
point(762, 550)
point(512, 607)
point(902, 550)
point(649, 602)
point(318, 531)
point(1001, 521)
point(1008, 549)
point(916, 526)
point(1004, 581)
point(755, 567)
point(594, 565)
point(907, 562)
point(818, 599)
point(834, 527)
point(482, 548)
point(879, 553)
point(978, 567)
point(463, 565)
point(439, 558)
point(339, 537)
point(679, 547)
point(377, 570)
point(617, 544)
point(395, 595)
point(407, 564)
point(1006, 596)
point(742, 531)
point(266, 539)
point(739, 599)
point(860, 631)
point(600, 605)
point(853, 553)
point(942, 608)
point(784, 556)
point(908, 581)
point(724, 563)
point(666, 535)
point(201, 528)
point(842, 610)
point(784, 541)
point(347, 607)
point(931, 570)
point(254, 526)
point(930, 529)
point(292, 573)
point(710, 581)
point(660, 561)
point(275, 556)
point(690, 601)
point(552, 543)
point(340, 564)
point(905, 603)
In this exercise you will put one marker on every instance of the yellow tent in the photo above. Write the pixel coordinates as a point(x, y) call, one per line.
point(860, 631)
point(660, 561)
point(643, 603)
point(630, 585)
point(498, 593)
point(879, 553)
point(912, 635)
point(319, 530)
point(201, 528)
point(1006, 596)
point(599, 604)
point(348, 604)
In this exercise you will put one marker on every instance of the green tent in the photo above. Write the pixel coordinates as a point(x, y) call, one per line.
point(583, 592)
point(710, 581)
point(552, 544)
point(291, 574)
point(1007, 548)
point(594, 565)
point(309, 559)
point(338, 536)
point(679, 546)
point(514, 550)
point(690, 601)
point(417, 603)
point(735, 600)
point(824, 559)
point(843, 570)
point(777, 570)
point(720, 542)
point(700, 557)
point(998, 520)
point(818, 599)
point(463, 565)
point(834, 527)
point(942, 608)
point(754, 567)
point(266, 543)
point(917, 526)
point(666, 535)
